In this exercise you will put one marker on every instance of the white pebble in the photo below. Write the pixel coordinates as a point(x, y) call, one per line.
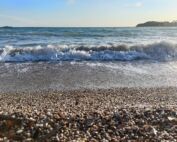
point(32, 119)
point(19, 131)
point(49, 113)
point(39, 125)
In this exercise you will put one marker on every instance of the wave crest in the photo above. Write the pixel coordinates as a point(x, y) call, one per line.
point(163, 51)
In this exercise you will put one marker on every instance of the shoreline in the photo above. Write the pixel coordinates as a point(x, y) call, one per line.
point(118, 114)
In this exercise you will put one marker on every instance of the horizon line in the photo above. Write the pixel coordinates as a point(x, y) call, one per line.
point(65, 26)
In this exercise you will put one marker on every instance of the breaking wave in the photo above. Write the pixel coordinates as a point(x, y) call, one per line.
point(162, 51)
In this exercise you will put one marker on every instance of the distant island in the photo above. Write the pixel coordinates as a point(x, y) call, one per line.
point(158, 24)
point(7, 27)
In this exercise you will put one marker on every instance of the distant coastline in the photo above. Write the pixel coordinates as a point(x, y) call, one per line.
point(158, 24)
point(6, 27)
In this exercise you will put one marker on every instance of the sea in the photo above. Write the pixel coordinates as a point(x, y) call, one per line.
point(87, 58)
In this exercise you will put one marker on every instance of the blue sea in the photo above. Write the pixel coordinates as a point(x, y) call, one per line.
point(87, 44)
point(71, 58)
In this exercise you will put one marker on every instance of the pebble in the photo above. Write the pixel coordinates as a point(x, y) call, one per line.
point(98, 122)
point(29, 139)
point(32, 119)
point(171, 118)
point(154, 131)
point(20, 131)
point(28, 134)
point(39, 125)
point(49, 113)
point(57, 138)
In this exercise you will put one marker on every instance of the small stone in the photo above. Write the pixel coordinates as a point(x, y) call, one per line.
point(20, 131)
point(171, 118)
point(88, 133)
point(104, 140)
point(49, 113)
point(57, 138)
point(32, 119)
point(47, 125)
point(165, 134)
point(154, 131)
point(28, 134)
point(28, 139)
point(39, 125)
point(108, 137)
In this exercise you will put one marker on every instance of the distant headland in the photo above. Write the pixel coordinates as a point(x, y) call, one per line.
point(158, 24)
point(6, 27)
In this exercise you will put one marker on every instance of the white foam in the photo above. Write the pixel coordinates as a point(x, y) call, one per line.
point(162, 51)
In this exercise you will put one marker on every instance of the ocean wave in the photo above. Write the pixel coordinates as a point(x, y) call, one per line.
point(162, 51)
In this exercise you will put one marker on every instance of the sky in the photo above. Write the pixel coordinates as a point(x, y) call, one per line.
point(85, 13)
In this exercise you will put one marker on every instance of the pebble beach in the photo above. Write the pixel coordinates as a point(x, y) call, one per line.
point(121, 114)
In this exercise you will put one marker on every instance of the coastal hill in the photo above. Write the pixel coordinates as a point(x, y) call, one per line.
point(6, 27)
point(158, 24)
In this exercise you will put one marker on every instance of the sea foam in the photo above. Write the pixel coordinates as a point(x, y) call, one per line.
point(161, 51)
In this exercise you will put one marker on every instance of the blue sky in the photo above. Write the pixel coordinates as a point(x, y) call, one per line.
point(85, 12)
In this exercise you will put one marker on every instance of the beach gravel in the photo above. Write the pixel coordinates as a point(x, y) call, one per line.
point(124, 114)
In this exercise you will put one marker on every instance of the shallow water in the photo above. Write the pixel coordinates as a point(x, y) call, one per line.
point(73, 58)
point(77, 75)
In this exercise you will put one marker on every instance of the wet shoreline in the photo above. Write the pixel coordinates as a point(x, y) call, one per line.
point(89, 75)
